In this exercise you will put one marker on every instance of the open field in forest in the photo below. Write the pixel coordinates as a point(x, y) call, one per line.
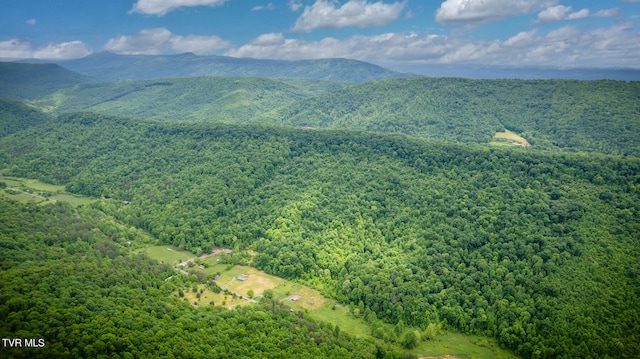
point(257, 280)
point(303, 298)
point(462, 346)
point(30, 190)
point(507, 138)
point(167, 254)
point(207, 296)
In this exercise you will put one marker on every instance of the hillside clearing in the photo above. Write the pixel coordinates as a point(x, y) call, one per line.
point(300, 297)
point(31, 190)
point(507, 138)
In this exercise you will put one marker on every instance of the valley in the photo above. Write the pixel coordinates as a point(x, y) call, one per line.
point(299, 297)
point(319, 216)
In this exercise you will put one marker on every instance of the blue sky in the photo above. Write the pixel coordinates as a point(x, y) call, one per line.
point(564, 33)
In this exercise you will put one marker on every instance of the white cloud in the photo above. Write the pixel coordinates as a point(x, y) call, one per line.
point(360, 13)
point(161, 7)
point(554, 13)
point(197, 44)
point(584, 13)
point(268, 39)
point(269, 6)
point(160, 40)
point(522, 39)
point(608, 12)
point(617, 46)
point(23, 49)
point(560, 12)
point(483, 11)
point(295, 5)
point(31, 22)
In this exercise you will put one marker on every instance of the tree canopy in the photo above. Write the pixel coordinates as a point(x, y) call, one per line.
point(537, 249)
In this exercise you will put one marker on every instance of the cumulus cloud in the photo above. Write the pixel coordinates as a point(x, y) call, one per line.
point(360, 13)
point(197, 44)
point(23, 49)
point(482, 11)
point(269, 6)
point(568, 46)
point(560, 12)
point(159, 40)
point(295, 5)
point(584, 13)
point(161, 7)
point(608, 12)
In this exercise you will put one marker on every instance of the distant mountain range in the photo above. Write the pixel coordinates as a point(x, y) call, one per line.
point(524, 73)
point(109, 66)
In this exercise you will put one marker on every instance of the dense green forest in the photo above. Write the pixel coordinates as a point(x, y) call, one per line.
point(69, 280)
point(16, 116)
point(228, 99)
point(593, 116)
point(538, 249)
point(558, 115)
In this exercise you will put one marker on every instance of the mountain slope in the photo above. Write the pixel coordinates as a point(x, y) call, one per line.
point(595, 116)
point(228, 99)
point(90, 297)
point(537, 249)
point(30, 81)
point(109, 66)
point(16, 116)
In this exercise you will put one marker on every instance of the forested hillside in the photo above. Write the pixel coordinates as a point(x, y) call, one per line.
point(70, 281)
point(16, 116)
point(557, 115)
point(31, 81)
point(228, 99)
point(594, 116)
point(537, 249)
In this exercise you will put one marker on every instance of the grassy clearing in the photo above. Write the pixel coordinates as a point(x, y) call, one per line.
point(342, 317)
point(39, 192)
point(448, 344)
point(163, 254)
point(207, 296)
point(257, 280)
point(41, 186)
point(462, 346)
point(508, 138)
point(72, 199)
point(21, 196)
point(10, 181)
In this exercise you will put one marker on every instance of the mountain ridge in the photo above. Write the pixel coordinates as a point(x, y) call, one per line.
point(28, 81)
point(109, 66)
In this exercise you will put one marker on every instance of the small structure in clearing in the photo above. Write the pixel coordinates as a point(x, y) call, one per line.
point(242, 277)
point(509, 138)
